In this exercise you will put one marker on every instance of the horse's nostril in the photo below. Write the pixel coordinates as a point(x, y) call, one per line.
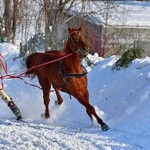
point(83, 47)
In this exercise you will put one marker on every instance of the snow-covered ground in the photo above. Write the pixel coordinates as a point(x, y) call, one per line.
point(121, 98)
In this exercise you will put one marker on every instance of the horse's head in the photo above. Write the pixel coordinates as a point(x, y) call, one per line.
point(77, 41)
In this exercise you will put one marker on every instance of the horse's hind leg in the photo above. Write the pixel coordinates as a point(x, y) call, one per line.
point(59, 98)
point(46, 103)
point(84, 100)
point(46, 93)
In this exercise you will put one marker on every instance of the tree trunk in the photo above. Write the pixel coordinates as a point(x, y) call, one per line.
point(14, 19)
point(7, 20)
point(47, 11)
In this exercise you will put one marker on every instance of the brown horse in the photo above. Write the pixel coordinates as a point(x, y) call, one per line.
point(66, 74)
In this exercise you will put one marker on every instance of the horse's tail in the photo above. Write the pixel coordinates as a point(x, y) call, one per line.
point(30, 62)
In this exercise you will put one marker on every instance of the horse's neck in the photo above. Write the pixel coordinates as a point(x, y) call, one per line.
point(73, 60)
point(68, 48)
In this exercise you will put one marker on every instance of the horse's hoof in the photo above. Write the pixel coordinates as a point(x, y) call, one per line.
point(56, 103)
point(19, 118)
point(105, 127)
point(45, 117)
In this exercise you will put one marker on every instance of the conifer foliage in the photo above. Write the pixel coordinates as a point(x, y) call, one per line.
point(127, 57)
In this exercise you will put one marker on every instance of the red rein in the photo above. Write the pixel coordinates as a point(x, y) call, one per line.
point(21, 75)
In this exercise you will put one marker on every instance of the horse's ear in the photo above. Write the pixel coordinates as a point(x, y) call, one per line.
point(69, 29)
point(80, 28)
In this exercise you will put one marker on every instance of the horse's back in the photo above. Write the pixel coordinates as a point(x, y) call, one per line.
point(55, 54)
point(44, 64)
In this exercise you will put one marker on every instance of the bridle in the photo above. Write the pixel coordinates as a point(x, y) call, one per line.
point(75, 49)
point(69, 38)
point(82, 52)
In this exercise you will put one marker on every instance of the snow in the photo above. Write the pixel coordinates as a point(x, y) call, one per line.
point(121, 98)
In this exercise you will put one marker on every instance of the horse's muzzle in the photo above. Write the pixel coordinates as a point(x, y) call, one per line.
point(83, 52)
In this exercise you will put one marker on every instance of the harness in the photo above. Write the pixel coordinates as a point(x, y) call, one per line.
point(64, 75)
point(76, 75)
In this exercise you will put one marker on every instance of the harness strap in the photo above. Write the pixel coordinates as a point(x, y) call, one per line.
point(61, 71)
point(76, 75)
point(64, 76)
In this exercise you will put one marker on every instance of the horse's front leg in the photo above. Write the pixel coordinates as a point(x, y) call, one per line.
point(84, 100)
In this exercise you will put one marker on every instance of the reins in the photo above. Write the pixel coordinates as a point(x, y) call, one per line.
point(34, 66)
point(49, 62)
point(21, 75)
